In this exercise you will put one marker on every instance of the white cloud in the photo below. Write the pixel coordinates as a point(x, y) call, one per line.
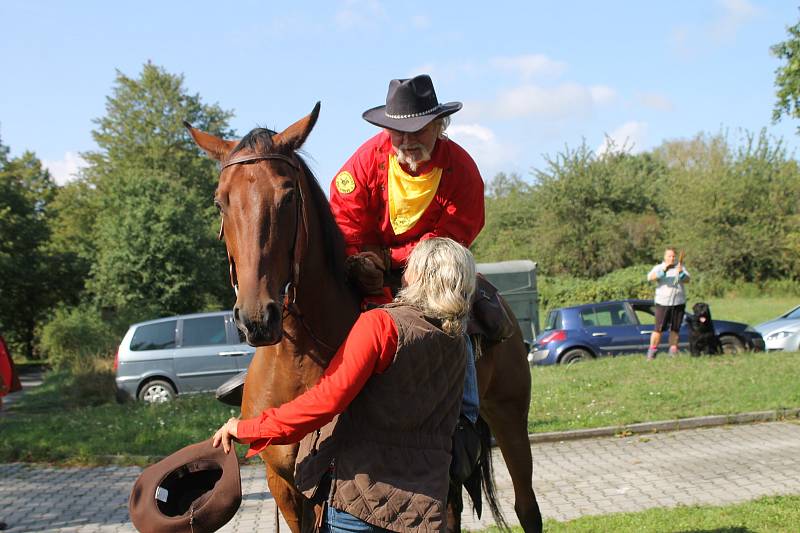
point(734, 14)
point(654, 100)
point(481, 143)
point(66, 169)
point(602, 94)
point(567, 99)
point(420, 22)
point(359, 13)
point(530, 65)
point(729, 16)
point(427, 68)
point(629, 137)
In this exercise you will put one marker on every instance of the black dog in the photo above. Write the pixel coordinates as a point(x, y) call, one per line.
point(702, 338)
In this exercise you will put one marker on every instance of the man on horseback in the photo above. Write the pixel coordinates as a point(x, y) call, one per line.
point(406, 184)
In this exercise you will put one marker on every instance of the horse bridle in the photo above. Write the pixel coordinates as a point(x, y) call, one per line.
point(289, 292)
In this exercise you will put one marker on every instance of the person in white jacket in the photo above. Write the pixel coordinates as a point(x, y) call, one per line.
point(670, 278)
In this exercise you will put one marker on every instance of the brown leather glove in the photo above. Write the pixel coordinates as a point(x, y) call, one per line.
point(382, 257)
point(363, 273)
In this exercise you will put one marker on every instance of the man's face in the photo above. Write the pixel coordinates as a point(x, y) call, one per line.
point(669, 257)
point(415, 148)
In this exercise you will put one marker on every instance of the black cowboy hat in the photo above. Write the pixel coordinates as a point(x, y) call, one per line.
point(411, 104)
point(195, 490)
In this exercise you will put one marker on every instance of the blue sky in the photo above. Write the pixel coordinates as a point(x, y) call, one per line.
point(534, 76)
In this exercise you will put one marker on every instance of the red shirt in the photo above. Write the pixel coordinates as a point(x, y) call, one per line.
point(361, 207)
point(369, 349)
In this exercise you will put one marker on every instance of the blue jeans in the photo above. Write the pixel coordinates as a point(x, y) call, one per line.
point(337, 521)
point(469, 402)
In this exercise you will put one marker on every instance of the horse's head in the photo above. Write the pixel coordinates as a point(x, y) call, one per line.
point(260, 195)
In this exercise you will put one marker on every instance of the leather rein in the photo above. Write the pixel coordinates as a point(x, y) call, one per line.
point(289, 292)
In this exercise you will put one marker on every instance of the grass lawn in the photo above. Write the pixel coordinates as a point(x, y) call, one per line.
point(774, 514)
point(629, 389)
point(54, 423)
point(72, 418)
point(751, 311)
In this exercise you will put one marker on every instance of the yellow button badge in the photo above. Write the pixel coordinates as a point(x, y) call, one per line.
point(345, 183)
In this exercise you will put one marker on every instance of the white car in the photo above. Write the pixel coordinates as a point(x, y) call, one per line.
point(782, 333)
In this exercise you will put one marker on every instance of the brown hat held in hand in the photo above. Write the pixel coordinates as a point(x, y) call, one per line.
point(194, 490)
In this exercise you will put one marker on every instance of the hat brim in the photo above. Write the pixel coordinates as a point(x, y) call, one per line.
point(377, 116)
point(213, 509)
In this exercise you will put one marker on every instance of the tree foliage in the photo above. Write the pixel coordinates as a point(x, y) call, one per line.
point(30, 273)
point(734, 208)
point(787, 76)
point(584, 215)
point(153, 248)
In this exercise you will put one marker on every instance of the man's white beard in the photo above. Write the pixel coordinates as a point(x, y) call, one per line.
point(405, 158)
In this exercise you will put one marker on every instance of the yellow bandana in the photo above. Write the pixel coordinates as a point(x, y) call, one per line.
point(409, 196)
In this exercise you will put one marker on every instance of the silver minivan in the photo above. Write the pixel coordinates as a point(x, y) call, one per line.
point(159, 359)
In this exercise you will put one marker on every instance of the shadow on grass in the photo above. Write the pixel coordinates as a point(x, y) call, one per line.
point(719, 530)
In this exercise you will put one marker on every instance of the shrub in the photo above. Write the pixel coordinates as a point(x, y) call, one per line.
point(74, 335)
point(88, 382)
point(564, 291)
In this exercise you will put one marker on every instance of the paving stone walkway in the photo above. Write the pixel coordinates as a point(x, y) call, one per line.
point(597, 476)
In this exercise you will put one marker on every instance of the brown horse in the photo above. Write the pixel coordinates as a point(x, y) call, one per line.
point(286, 259)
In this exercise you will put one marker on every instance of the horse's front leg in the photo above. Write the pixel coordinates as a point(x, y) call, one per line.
point(279, 461)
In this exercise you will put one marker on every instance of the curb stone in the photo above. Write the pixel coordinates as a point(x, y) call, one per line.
point(667, 425)
point(576, 434)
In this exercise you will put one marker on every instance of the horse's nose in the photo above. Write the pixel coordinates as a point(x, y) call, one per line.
point(262, 328)
point(272, 314)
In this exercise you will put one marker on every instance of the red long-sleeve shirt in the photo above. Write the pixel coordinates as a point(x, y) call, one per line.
point(360, 201)
point(369, 348)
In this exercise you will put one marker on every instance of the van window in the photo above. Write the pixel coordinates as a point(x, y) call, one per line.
point(159, 336)
point(204, 331)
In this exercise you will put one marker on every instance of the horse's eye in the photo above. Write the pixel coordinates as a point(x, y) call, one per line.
point(287, 198)
point(218, 205)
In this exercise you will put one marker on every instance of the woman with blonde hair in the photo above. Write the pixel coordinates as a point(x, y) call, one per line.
point(379, 423)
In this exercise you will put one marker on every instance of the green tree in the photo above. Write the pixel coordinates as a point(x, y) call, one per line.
point(30, 275)
point(734, 208)
point(509, 217)
point(787, 76)
point(595, 214)
point(154, 233)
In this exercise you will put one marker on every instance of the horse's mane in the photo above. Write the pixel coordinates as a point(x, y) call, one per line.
point(332, 235)
point(260, 140)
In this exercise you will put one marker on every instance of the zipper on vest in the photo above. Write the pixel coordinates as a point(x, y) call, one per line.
point(332, 474)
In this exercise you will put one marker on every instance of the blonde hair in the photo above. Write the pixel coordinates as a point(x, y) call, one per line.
point(441, 280)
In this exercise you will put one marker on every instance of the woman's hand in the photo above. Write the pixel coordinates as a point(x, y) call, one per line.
point(226, 434)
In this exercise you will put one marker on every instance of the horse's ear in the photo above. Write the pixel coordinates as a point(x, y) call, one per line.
point(295, 135)
point(214, 146)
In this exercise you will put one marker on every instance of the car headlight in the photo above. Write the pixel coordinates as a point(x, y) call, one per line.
point(778, 335)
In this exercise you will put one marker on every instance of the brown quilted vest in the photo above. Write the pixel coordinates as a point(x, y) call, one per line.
point(389, 451)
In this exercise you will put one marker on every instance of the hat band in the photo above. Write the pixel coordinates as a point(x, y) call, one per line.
point(414, 115)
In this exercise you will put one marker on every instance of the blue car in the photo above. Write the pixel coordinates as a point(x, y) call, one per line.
point(619, 327)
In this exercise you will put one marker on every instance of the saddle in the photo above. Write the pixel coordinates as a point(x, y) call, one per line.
point(489, 316)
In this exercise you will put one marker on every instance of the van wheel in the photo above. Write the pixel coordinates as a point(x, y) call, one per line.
point(575, 356)
point(731, 344)
point(157, 391)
